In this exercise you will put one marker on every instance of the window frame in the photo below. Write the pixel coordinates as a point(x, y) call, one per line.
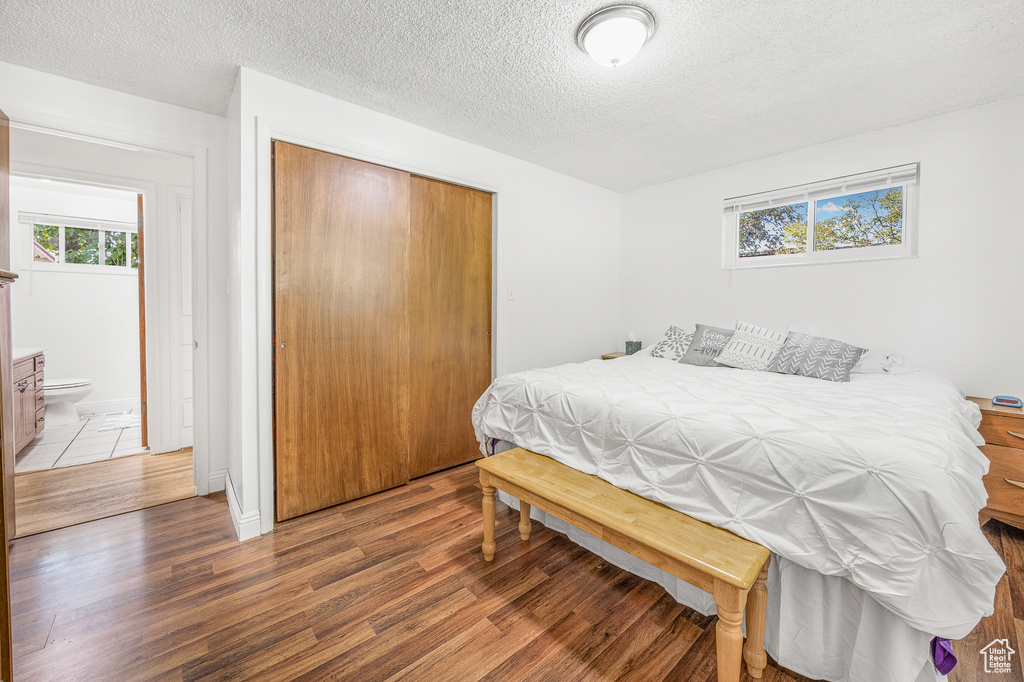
point(906, 176)
point(31, 220)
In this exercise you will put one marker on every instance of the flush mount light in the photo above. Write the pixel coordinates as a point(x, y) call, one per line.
point(612, 36)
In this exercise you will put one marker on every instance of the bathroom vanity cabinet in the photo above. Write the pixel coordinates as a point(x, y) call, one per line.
point(29, 406)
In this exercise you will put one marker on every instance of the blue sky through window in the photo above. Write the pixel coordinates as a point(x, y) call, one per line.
point(833, 206)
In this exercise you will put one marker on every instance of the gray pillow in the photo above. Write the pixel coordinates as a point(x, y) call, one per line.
point(707, 345)
point(674, 345)
point(814, 356)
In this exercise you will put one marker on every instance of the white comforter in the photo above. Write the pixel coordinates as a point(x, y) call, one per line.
point(877, 480)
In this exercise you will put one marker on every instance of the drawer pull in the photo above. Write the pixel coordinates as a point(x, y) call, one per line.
point(1016, 435)
point(1016, 483)
point(21, 385)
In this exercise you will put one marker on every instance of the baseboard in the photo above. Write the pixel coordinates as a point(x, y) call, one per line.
point(217, 480)
point(106, 406)
point(247, 526)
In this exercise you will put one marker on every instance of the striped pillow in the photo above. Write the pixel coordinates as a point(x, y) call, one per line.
point(751, 347)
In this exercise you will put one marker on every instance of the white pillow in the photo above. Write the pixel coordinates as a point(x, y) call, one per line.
point(882, 362)
point(751, 347)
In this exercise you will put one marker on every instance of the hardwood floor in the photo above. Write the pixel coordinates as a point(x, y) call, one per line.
point(1007, 622)
point(55, 498)
point(392, 586)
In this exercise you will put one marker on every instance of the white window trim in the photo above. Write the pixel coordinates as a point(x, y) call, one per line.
point(905, 176)
point(30, 220)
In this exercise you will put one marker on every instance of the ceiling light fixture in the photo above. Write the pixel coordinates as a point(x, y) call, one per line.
point(612, 36)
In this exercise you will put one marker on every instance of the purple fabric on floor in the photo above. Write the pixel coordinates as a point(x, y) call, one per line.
point(942, 654)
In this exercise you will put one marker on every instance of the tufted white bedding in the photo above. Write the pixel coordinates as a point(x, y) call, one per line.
point(877, 480)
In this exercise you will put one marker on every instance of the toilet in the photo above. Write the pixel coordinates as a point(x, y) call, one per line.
point(60, 396)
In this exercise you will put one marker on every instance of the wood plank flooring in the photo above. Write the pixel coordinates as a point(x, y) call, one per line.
point(55, 498)
point(388, 587)
point(1008, 620)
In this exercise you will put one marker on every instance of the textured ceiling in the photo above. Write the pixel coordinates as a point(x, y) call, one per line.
point(722, 81)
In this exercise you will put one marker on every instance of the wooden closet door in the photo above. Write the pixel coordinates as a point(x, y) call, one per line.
point(450, 318)
point(341, 328)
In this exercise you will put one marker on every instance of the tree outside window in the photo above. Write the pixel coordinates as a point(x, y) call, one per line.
point(850, 221)
point(46, 244)
point(114, 250)
point(857, 220)
point(771, 231)
point(81, 246)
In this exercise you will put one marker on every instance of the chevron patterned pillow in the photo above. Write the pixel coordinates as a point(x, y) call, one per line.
point(814, 356)
point(674, 345)
point(751, 347)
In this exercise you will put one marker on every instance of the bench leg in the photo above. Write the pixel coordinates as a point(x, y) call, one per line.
point(757, 603)
point(524, 520)
point(488, 545)
point(729, 636)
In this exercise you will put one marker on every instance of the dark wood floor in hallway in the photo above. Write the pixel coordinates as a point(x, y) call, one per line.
point(391, 586)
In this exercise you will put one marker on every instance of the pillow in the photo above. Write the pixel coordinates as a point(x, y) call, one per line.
point(815, 356)
point(882, 362)
point(707, 345)
point(673, 346)
point(751, 347)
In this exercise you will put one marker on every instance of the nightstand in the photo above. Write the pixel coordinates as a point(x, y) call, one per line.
point(1003, 430)
point(612, 356)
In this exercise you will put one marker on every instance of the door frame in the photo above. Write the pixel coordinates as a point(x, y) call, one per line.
point(28, 119)
point(6, 425)
point(139, 237)
point(256, 258)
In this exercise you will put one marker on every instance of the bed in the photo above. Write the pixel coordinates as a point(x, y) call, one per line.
point(867, 493)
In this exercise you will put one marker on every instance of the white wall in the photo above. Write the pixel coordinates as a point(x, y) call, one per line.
point(942, 310)
point(234, 366)
point(88, 320)
point(556, 249)
point(51, 102)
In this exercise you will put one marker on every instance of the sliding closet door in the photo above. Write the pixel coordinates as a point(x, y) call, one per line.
point(450, 318)
point(341, 328)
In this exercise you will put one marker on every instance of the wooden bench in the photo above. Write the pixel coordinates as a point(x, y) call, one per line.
point(713, 559)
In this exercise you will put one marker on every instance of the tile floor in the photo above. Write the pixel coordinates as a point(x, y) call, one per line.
point(94, 438)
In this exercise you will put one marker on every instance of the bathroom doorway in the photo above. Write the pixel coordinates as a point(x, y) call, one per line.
point(106, 382)
point(78, 323)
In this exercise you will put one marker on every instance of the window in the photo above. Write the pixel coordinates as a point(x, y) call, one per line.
point(81, 246)
point(80, 242)
point(46, 247)
point(867, 216)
